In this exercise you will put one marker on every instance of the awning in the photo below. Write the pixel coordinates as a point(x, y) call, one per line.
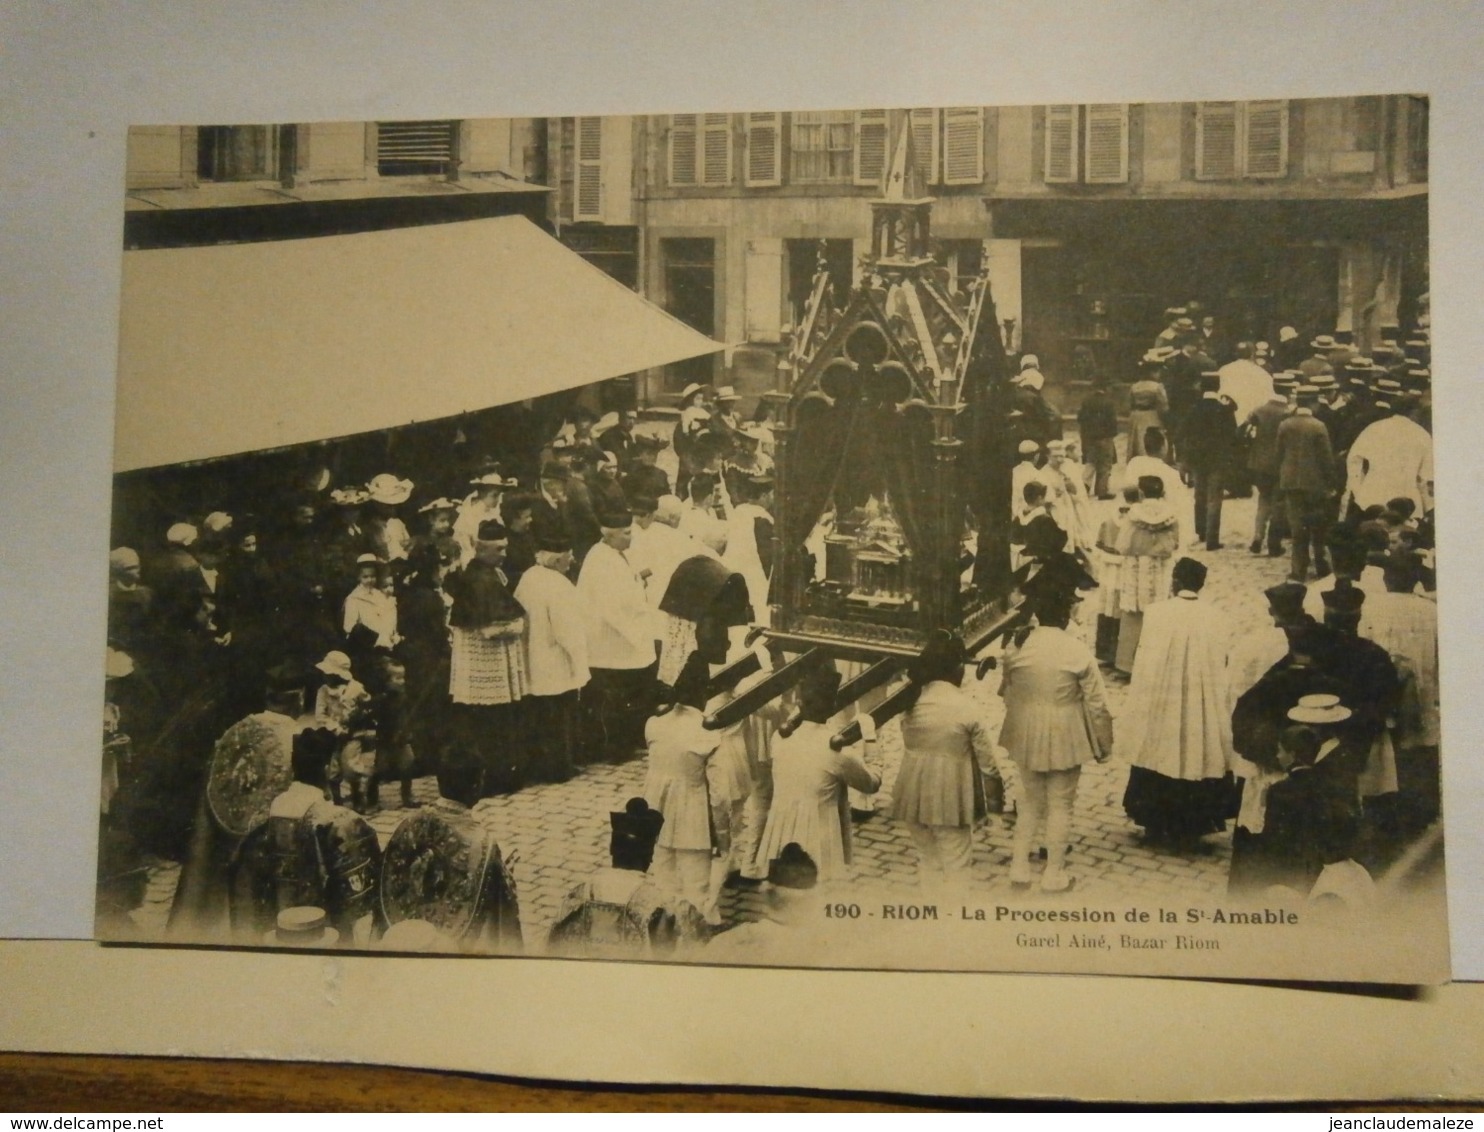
point(243, 347)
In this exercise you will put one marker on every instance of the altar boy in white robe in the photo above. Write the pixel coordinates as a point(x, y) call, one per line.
point(1176, 730)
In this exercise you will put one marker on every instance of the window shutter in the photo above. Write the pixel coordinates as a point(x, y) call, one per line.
point(925, 138)
point(683, 149)
point(414, 147)
point(963, 145)
point(716, 149)
point(1107, 143)
point(1265, 139)
point(1061, 144)
point(764, 149)
point(871, 135)
point(1215, 141)
point(589, 187)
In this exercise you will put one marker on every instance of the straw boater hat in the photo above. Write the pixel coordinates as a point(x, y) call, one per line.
point(336, 663)
point(118, 665)
point(1028, 448)
point(439, 504)
point(387, 488)
point(1319, 708)
point(1324, 342)
point(416, 937)
point(493, 479)
point(181, 534)
point(726, 393)
point(1323, 381)
point(1184, 323)
point(1159, 355)
point(369, 560)
point(690, 391)
point(302, 926)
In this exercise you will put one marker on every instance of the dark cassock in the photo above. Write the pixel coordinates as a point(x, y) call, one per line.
point(487, 670)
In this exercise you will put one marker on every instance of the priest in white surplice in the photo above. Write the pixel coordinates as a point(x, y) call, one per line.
point(1176, 729)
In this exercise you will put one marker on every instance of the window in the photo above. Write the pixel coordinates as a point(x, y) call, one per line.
point(415, 148)
point(237, 153)
point(963, 145)
point(821, 149)
point(588, 200)
point(700, 149)
point(1086, 144)
point(873, 142)
point(963, 259)
point(764, 152)
point(926, 139)
point(1106, 126)
point(872, 135)
point(1417, 109)
point(1236, 140)
point(804, 258)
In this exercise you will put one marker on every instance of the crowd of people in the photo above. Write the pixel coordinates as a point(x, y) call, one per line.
point(1337, 449)
point(508, 633)
point(510, 627)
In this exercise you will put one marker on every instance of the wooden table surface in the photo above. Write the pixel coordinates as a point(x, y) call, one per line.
point(63, 1083)
point(69, 1083)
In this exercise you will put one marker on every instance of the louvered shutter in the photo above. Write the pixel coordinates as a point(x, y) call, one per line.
point(871, 135)
point(413, 147)
point(764, 149)
point(925, 137)
point(1107, 143)
point(1061, 144)
point(588, 195)
point(716, 149)
point(1265, 139)
point(683, 149)
point(963, 145)
point(1216, 141)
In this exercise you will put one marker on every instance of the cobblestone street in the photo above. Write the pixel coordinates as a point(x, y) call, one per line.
point(557, 834)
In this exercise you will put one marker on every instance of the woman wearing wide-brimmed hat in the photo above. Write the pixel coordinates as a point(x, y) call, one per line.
point(695, 419)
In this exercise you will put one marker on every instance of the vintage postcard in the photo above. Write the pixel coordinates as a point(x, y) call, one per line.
point(963, 538)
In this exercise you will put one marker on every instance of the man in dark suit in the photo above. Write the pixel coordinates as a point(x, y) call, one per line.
point(1262, 469)
point(1307, 481)
point(1208, 450)
point(1182, 380)
point(1097, 420)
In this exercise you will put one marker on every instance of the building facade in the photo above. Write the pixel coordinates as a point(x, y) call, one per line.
point(1091, 219)
point(199, 185)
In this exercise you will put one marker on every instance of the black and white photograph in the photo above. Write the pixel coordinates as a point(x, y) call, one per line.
point(974, 538)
